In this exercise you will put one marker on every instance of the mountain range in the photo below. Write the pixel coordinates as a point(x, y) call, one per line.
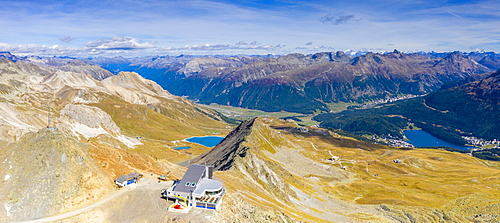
point(307, 83)
point(69, 128)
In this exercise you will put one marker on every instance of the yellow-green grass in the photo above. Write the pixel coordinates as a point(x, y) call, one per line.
point(140, 121)
point(161, 132)
point(423, 177)
point(233, 183)
point(245, 113)
point(307, 120)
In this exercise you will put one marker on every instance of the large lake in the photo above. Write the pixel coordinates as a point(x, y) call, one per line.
point(420, 138)
point(208, 141)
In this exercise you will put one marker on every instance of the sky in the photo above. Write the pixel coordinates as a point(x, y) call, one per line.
point(90, 28)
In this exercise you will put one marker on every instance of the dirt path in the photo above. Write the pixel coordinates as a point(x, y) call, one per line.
point(112, 196)
point(139, 202)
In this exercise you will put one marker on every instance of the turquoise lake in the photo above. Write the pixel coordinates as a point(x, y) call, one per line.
point(420, 138)
point(208, 141)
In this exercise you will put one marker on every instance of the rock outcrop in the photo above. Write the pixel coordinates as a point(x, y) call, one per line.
point(222, 156)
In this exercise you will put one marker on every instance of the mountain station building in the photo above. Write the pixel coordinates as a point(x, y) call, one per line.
point(197, 188)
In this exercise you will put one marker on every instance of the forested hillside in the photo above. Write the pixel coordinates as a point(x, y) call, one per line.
point(470, 109)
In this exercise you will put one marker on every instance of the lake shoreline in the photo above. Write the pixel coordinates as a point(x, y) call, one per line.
point(207, 141)
point(423, 139)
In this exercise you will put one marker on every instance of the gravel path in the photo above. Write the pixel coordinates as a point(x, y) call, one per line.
point(146, 188)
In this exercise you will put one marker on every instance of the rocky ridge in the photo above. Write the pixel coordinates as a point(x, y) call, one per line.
point(311, 174)
point(222, 156)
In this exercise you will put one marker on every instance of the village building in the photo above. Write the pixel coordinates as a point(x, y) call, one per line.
point(125, 180)
point(196, 189)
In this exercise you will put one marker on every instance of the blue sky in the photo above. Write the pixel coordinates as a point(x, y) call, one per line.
point(169, 27)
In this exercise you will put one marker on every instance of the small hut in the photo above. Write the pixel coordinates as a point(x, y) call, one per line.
point(125, 180)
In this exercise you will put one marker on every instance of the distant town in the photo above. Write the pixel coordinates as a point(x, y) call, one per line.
point(374, 103)
point(472, 141)
point(484, 144)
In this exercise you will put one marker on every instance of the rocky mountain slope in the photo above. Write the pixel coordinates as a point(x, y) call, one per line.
point(301, 83)
point(61, 64)
point(314, 175)
point(305, 83)
point(66, 134)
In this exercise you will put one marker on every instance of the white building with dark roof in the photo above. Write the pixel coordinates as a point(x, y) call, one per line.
point(197, 188)
point(125, 180)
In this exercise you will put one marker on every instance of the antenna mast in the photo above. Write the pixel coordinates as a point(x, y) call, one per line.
point(49, 119)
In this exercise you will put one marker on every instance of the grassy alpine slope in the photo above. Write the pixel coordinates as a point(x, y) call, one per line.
point(298, 171)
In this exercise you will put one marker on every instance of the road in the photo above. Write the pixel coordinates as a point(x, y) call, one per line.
point(112, 196)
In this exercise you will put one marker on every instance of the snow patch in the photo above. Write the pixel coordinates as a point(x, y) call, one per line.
point(7, 177)
point(7, 208)
point(129, 141)
point(86, 131)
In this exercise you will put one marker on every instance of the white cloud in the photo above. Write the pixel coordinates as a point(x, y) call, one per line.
point(128, 46)
point(220, 47)
point(114, 45)
point(42, 50)
point(187, 25)
point(336, 20)
point(322, 47)
point(243, 43)
point(119, 43)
